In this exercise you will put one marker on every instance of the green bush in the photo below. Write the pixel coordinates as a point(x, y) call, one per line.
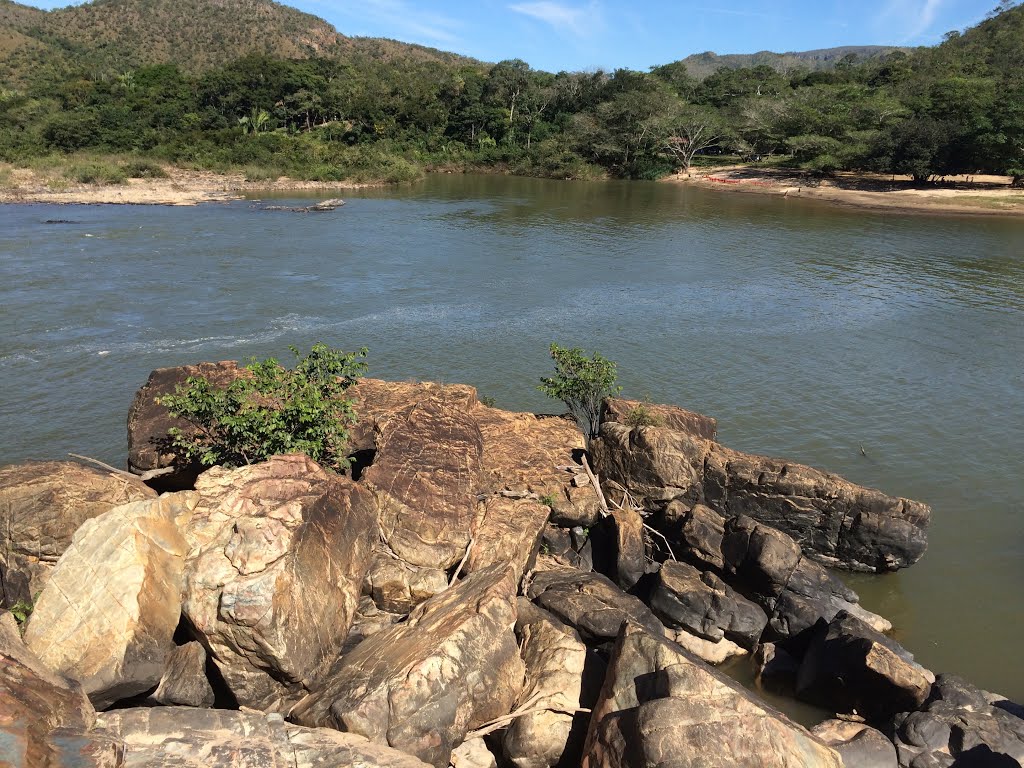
point(97, 173)
point(581, 383)
point(144, 169)
point(270, 411)
point(642, 416)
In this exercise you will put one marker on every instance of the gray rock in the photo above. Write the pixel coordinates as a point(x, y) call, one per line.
point(184, 681)
point(589, 602)
point(859, 745)
point(684, 598)
point(775, 669)
point(851, 668)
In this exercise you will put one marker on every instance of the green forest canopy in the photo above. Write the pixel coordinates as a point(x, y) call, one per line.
point(373, 109)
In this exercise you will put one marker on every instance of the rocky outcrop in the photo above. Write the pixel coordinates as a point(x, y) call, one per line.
point(425, 470)
point(661, 706)
point(108, 613)
point(279, 552)
point(555, 659)
point(859, 745)
point(701, 603)
point(184, 682)
point(853, 669)
point(181, 737)
point(590, 603)
point(837, 522)
point(148, 422)
point(636, 412)
point(421, 685)
point(960, 725)
point(42, 504)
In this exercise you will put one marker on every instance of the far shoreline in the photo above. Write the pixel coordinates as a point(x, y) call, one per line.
point(979, 196)
point(973, 195)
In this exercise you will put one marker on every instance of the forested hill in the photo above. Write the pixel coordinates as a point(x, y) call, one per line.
point(107, 37)
point(167, 79)
point(701, 65)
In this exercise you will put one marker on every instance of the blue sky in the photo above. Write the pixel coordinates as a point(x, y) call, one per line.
point(587, 34)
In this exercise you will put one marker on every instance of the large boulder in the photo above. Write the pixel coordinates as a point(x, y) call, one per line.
point(42, 504)
point(425, 470)
point(701, 603)
point(859, 745)
point(590, 603)
point(45, 718)
point(960, 725)
point(660, 706)
point(555, 659)
point(769, 568)
point(422, 685)
point(640, 413)
point(108, 613)
point(397, 587)
point(837, 522)
point(853, 669)
point(149, 446)
point(279, 552)
point(181, 737)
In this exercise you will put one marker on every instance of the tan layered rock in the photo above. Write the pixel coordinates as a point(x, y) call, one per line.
point(555, 659)
point(44, 718)
point(508, 531)
point(107, 616)
point(184, 682)
point(148, 422)
point(181, 737)
point(634, 412)
point(661, 706)
point(42, 504)
point(279, 552)
point(421, 685)
point(425, 470)
point(837, 522)
point(398, 587)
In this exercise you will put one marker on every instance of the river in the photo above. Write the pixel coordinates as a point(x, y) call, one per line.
point(809, 331)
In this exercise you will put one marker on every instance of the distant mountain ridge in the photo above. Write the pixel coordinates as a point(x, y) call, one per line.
point(110, 36)
point(700, 65)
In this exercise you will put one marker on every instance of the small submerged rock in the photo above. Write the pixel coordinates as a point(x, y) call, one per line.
point(324, 206)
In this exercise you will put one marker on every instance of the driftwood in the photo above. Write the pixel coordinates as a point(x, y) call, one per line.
point(144, 476)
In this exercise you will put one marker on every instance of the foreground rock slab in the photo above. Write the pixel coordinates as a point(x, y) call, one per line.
point(859, 745)
point(180, 737)
point(44, 718)
point(837, 522)
point(279, 553)
point(42, 504)
point(661, 706)
point(110, 608)
point(422, 685)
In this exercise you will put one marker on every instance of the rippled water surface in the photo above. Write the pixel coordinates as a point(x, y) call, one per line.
point(809, 331)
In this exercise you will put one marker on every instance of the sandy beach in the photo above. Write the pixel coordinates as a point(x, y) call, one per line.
point(970, 195)
point(181, 187)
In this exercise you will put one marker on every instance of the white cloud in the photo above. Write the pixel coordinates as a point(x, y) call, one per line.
point(400, 17)
point(909, 20)
point(579, 21)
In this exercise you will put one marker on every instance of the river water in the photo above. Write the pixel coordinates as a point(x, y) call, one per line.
point(809, 331)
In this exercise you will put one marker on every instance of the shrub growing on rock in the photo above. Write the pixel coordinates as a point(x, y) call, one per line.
point(270, 411)
point(581, 383)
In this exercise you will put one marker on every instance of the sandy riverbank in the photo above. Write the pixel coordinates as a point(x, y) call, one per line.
point(181, 187)
point(977, 195)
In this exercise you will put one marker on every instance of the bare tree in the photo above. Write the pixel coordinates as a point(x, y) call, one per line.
point(694, 129)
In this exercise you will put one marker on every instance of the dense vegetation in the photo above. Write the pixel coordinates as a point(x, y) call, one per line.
point(381, 113)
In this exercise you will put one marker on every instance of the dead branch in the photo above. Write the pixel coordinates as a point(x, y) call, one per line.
point(462, 563)
point(144, 476)
point(597, 487)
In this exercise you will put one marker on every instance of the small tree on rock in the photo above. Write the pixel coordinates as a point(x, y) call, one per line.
point(581, 383)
